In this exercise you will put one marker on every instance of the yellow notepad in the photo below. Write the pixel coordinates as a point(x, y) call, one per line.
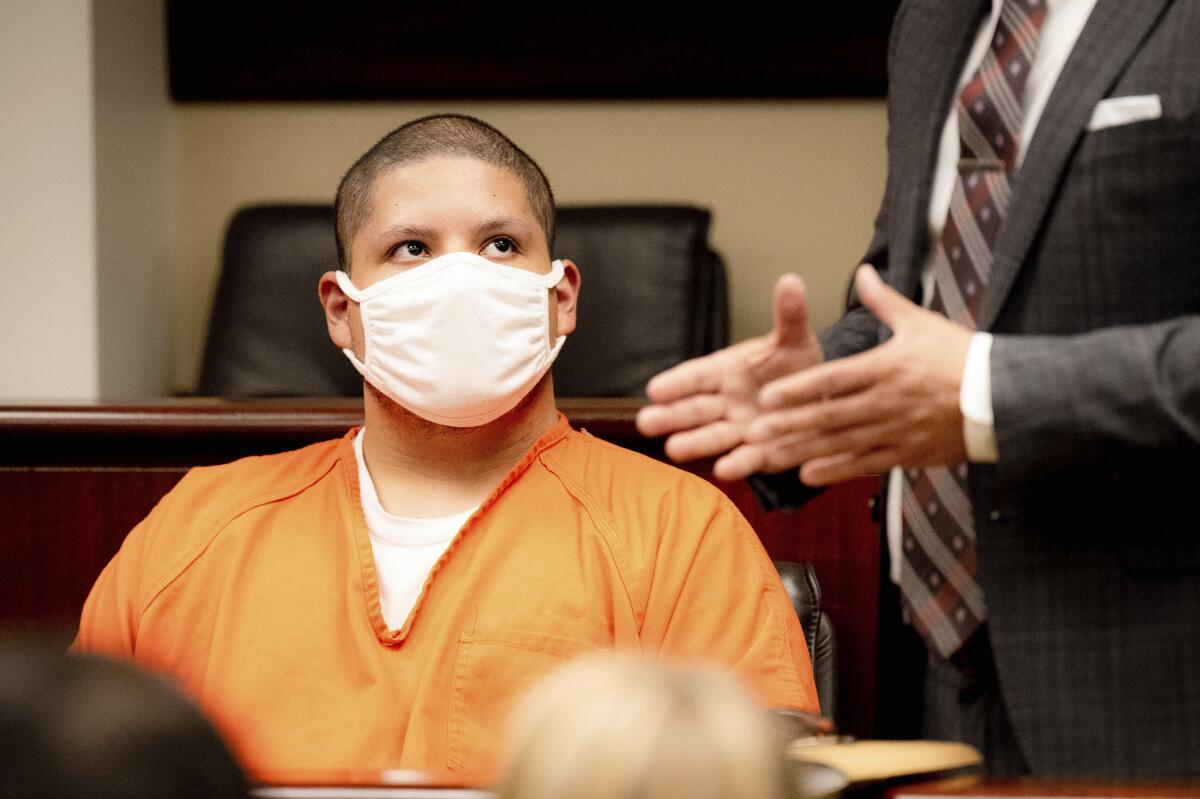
point(868, 761)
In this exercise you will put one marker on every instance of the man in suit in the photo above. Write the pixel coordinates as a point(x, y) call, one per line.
point(1042, 204)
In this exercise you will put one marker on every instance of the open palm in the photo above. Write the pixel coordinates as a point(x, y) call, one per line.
point(706, 404)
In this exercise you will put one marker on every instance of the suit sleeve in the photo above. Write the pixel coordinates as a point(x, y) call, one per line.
point(1095, 396)
point(715, 596)
point(858, 329)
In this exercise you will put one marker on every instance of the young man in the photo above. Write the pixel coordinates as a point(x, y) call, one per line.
point(380, 600)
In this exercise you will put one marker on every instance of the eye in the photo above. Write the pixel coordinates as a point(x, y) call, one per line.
point(408, 249)
point(501, 245)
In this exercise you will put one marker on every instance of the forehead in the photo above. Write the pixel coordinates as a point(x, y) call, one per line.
point(446, 190)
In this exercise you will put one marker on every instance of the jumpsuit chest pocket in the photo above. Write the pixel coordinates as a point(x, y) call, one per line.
point(493, 669)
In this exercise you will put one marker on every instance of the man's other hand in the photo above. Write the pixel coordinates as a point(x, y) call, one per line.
point(894, 405)
point(706, 404)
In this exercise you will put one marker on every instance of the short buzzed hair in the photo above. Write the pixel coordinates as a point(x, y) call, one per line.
point(430, 137)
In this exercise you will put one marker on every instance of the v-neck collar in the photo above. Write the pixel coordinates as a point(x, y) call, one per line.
point(362, 540)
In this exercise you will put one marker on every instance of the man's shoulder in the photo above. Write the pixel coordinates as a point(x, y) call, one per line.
point(617, 462)
point(621, 480)
point(210, 498)
point(261, 478)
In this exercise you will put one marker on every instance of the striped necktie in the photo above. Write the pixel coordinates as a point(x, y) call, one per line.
point(940, 595)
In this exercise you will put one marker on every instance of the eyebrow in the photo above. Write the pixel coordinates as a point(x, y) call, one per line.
point(408, 232)
point(501, 223)
point(427, 234)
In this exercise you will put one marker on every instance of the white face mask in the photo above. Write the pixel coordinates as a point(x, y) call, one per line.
point(458, 340)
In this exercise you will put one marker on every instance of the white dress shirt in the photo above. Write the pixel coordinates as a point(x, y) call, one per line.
point(1062, 26)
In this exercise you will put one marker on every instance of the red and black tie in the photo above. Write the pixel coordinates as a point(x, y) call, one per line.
point(940, 595)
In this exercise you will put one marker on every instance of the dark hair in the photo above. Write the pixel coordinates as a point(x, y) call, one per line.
point(428, 137)
point(86, 727)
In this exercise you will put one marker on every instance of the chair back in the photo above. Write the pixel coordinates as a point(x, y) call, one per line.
point(800, 582)
point(653, 295)
point(267, 334)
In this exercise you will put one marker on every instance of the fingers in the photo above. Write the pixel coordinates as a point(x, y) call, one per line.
point(740, 463)
point(697, 376)
point(704, 442)
point(888, 305)
point(791, 311)
point(809, 446)
point(830, 379)
point(788, 449)
point(684, 414)
point(843, 466)
point(851, 410)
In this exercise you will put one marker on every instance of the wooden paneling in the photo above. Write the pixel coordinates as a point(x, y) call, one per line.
point(75, 479)
point(62, 526)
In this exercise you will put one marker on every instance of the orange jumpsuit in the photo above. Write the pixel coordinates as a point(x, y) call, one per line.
point(255, 584)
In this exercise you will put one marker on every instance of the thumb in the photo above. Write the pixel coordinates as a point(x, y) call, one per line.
point(889, 306)
point(791, 311)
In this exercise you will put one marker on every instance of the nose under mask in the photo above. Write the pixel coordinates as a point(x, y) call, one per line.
point(458, 340)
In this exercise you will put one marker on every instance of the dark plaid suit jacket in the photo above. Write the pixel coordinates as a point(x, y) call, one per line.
point(1088, 527)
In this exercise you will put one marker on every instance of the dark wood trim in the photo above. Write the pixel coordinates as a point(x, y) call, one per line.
point(180, 433)
point(208, 416)
point(223, 51)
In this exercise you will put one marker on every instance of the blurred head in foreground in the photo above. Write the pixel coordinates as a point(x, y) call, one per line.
point(619, 728)
point(82, 726)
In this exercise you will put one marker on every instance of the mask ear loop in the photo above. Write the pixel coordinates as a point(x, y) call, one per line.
point(351, 291)
point(555, 275)
point(552, 352)
point(550, 280)
point(347, 286)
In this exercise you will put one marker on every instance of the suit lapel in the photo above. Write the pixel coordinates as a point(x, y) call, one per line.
point(941, 38)
point(1108, 40)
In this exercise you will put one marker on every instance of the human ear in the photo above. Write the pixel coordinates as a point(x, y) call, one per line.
point(338, 312)
point(566, 296)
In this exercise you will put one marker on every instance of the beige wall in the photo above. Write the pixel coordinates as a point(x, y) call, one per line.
point(47, 218)
point(113, 200)
point(132, 146)
point(792, 185)
point(84, 144)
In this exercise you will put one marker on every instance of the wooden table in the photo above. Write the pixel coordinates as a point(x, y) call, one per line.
point(394, 784)
point(978, 787)
point(422, 785)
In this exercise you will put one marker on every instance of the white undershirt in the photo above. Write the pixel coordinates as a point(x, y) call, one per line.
point(405, 549)
point(1064, 22)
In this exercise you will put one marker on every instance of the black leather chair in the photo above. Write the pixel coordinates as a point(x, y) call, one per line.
point(266, 335)
point(653, 295)
point(800, 581)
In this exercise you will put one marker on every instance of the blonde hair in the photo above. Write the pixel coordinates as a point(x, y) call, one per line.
point(621, 728)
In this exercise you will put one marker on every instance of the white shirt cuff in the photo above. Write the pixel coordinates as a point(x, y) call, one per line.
point(975, 401)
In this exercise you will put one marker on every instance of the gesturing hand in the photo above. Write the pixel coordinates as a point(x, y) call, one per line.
point(894, 405)
point(707, 403)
